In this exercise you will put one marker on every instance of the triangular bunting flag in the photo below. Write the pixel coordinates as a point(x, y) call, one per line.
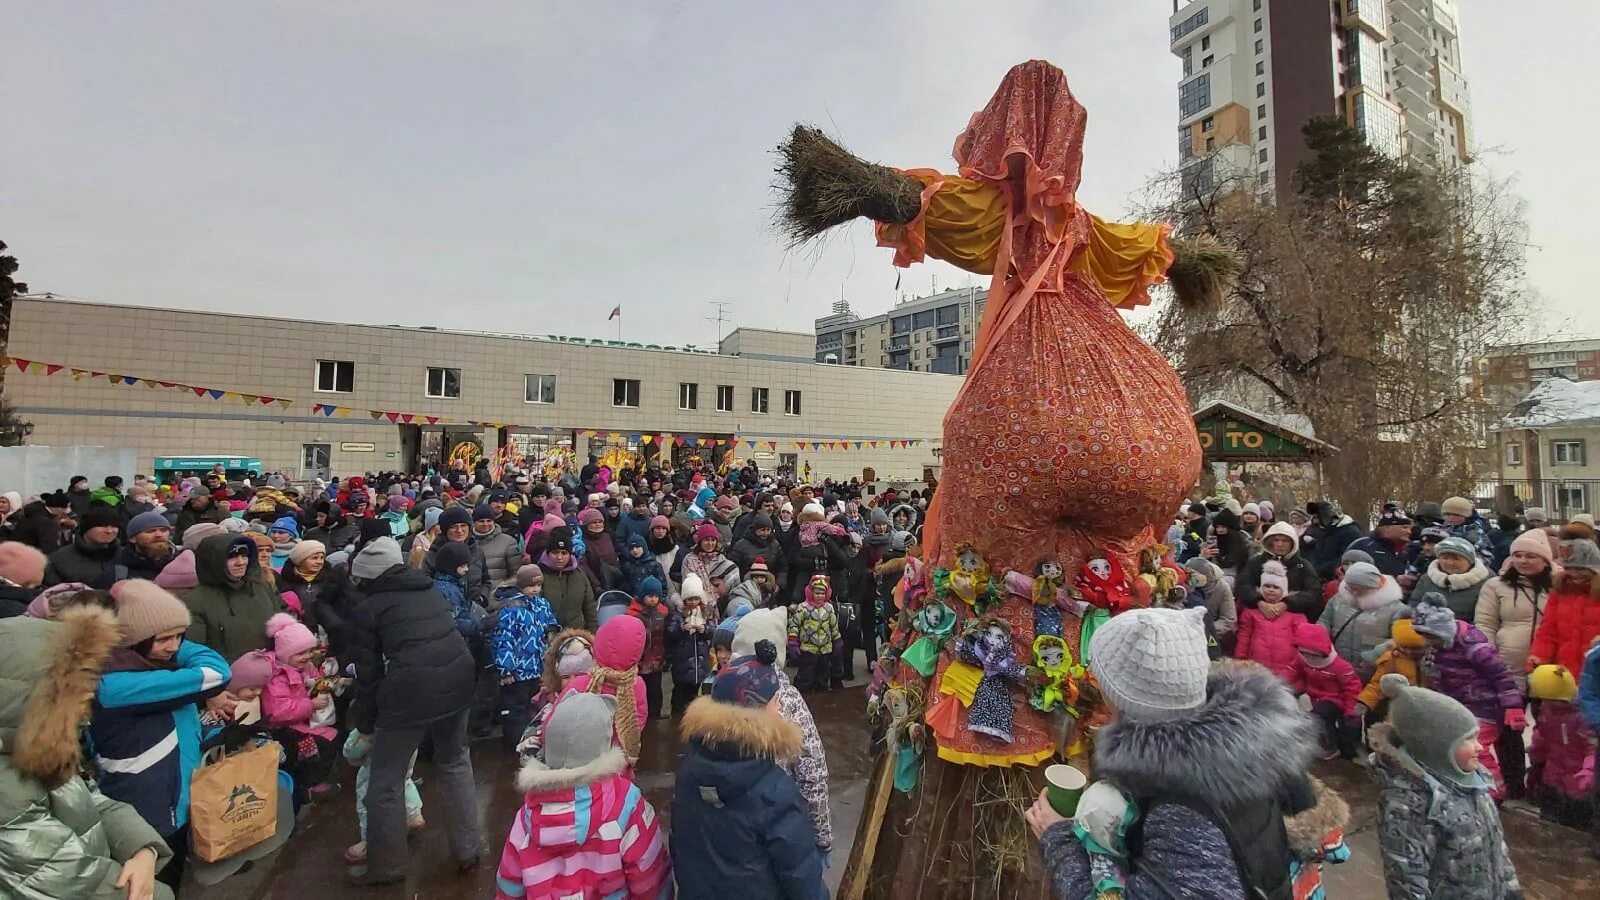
point(215, 393)
point(344, 411)
point(149, 382)
point(199, 391)
point(249, 398)
point(376, 414)
point(647, 438)
point(21, 364)
point(268, 401)
point(283, 403)
point(167, 384)
point(432, 420)
point(873, 444)
point(79, 373)
point(391, 416)
point(52, 368)
point(130, 379)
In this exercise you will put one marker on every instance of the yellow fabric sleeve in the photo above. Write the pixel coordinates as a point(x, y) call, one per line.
point(1124, 259)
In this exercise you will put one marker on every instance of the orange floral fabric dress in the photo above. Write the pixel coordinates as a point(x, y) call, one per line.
point(1070, 433)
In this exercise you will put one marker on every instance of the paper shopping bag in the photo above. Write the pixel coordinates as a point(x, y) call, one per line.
point(233, 804)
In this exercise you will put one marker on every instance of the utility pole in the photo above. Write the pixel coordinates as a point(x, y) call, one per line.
point(721, 316)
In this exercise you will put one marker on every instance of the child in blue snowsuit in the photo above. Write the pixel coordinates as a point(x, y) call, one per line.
point(519, 644)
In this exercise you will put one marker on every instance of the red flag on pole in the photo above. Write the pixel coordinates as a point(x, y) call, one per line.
point(616, 312)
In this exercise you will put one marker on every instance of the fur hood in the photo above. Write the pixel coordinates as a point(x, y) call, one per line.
point(750, 733)
point(1388, 755)
point(537, 778)
point(1383, 595)
point(1594, 583)
point(1478, 574)
point(1308, 830)
point(1241, 746)
point(549, 678)
point(48, 674)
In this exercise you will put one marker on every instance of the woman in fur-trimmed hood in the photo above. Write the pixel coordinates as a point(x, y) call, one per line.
point(62, 838)
point(739, 824)
point(1198, 751)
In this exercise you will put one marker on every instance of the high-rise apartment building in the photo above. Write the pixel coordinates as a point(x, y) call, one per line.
point(1254, 71)
point(924, 334)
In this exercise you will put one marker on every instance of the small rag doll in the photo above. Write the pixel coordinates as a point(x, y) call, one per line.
point(1101, 583)
point(905, 734)
point(970, 580)
point(1059, 690)
point(987, 645)
point(935, 622)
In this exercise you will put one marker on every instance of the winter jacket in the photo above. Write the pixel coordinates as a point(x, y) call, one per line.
point(308, 592)
point(1589, 690)
point(1395, 662)
point(1390, 559)
point(1460, 592)
point(134, 564)
point(62, 838)
point(1218, 599)
point(462, 609)
point(746, 550)
point(37, 527)
point(635, 522)
point(585, 833)
point(826, 557)
point(1571, 623)
point(739, 826)
point(810, 769)
point(1475, 531)
point(571, 596)
point(475, 584)
point(229, 617)
point(1175, 768)
point(1269, 642)
point(814, 626)
point(521, 635)
point(1305, 587)
point(336, 532)
point(654, 658)
point(1361, 626)
point(1336, 683)
point(189, 515)
point(412, 666)
point(688, 652)
point(1507, 614)
point(79, 561)
point(145, 730)
point(635, 571)
point(1562, 751)
point(14, 598)
point(601, 562)
point(286, 701)
point(1471, 671)
point(1336, 535)
point(1439, 841)
point(501, 557)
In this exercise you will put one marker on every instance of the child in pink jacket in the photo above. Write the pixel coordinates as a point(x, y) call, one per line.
point(288, 702)
point(1266, 632)
point(618, 647)
point(1562, 755)
point(1332, 685)
point(584, 830)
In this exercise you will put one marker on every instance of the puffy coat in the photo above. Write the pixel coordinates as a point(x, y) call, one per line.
point(1507, 613)
point(1397, 662)
point(136, 565)
point(37, 528)
point(1218, 598)
point(1589, 690)
point(1460, 592)
point(1471, 671)
point(1336, 535)
point(1361, 626)
point(612, 851)
point(501, 557)
point(1336, 683)
point(1269, 642)
point(522, 634)
point(636, 570)
point(570, 594)
point(286, 701)
point(1439, 841)
point(739, 826)
point(654, 657)
point(688, 651)
point(412, 666)
point(140, 708)
point(1305, 587)
point(635, 522)
point(79, 561)
point(1390, 559)
point(62, 838)
point(745, 550)
point(192, 515)
point(230, 618)
point(475, 584)
point(1571, 623)
point(1562, 751)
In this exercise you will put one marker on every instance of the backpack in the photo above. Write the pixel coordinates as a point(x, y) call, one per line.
point(1259, 846)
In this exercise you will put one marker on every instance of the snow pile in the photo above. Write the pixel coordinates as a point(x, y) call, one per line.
point(1556, 401)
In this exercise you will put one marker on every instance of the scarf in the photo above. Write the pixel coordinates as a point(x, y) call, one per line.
point(665, 545)
point(626, 719)
point(1272, 610)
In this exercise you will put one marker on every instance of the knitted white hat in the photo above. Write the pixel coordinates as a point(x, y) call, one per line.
point(1152, 663)
point(770, 624)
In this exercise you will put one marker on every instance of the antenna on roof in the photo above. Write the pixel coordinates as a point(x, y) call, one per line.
point(720, 317)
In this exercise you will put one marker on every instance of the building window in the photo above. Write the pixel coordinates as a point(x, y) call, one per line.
point(538, 389)
point(1263, 154)
point(1256, 6)
point(444, 383)
point(1206, 63)
point(1566, 453)
point(1260, 45)
point(758, 400)
point(625, 392)
point(724, 398)
point(791, 403)
point(1211, 144)
point(1261, 67)
point(1188, 61)
point(336, 376)
point(1191, 24)
point(1261, 89)
point(314, 460)
point(1207, 123)
point(1261, 132)
point(1514, 453)
point(688, 395)
point(1261, 111)
point(1194, 95)
point(1572, 497)
point(1258, 26)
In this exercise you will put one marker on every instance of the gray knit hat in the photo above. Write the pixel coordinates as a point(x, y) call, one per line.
point(579, 730)
point(199, 531)
point(1152, 663)
point(377, 557)
point(1581, 554)
point(1351, 557)
point(1456, 547)
point(1363, 575)
point(1430, 726)
point(1432, 618)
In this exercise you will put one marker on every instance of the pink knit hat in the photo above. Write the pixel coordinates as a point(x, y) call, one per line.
point(660, 522)
point(21, 564)
point(706, 531)
point(252, 670)
point(179, 574)
point(1533, 541)
point(619, 643)
point(288, 636)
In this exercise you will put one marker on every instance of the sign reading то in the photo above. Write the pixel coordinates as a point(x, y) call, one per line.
point(1223, 438)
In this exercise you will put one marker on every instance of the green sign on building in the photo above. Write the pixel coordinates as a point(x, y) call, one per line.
point(1228, 432)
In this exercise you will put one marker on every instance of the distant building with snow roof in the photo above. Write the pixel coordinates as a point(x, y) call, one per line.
point(1543, 446)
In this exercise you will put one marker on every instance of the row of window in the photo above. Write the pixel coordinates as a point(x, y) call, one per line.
point(338, 376)
point(1562, 453)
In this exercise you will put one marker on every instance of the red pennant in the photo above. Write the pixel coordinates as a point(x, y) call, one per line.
point(22, 364)
point(408, 418)
point(432, 420)
point(392, 416)
point(268, 401)
point(52, 368)
point(199, 391)
point(167, 384)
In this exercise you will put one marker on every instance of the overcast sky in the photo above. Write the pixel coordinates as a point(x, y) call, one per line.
point(526, 166)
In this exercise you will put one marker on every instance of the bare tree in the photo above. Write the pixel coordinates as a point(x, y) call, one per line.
point(1365, 297)
point(12, 430)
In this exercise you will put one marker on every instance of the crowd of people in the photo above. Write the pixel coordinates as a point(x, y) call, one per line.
point(379, 617)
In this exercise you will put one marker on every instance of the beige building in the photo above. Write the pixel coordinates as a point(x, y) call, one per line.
point(342, 382)
point(921, 334)
point(1543, 447)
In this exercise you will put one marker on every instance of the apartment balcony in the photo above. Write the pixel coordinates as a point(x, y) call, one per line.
point(900, 342)
point(1452, 88)
point(1371, 16)
point(947, 334)
point(1444, 21)
point(1411, 30)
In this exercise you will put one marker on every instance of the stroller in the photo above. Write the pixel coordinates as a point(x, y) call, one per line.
point(612, 604)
